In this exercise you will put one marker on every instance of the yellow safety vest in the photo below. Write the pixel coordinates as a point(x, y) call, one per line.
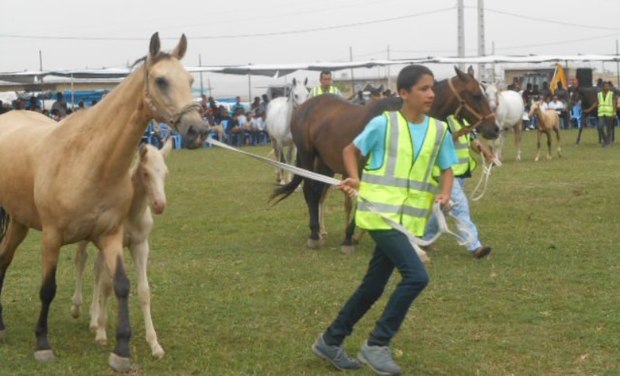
point(403, 188)
point(318, 90)
point(605, 105)
point(466, 162)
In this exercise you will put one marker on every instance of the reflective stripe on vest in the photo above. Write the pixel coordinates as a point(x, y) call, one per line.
point(403, 188)
point(605, 104)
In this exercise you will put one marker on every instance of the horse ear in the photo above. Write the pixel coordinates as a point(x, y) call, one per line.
point(460, 74)
point(167, 147)
point(181, 48)
point(142, 151)
point(306, 81)
point(155, 45)
point(470, 71)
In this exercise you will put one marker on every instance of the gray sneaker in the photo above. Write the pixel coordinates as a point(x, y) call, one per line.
point(379, 359)
point(335, 355)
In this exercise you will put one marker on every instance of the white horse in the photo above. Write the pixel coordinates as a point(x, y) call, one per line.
point(279, 113)
point(508, 108)
point(148, 178)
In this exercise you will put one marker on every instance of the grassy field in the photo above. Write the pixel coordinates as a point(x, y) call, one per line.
point(236, 291)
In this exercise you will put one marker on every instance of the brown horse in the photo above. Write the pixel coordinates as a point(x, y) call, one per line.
point(548, 121)
point(72, 180)
point(324, 125)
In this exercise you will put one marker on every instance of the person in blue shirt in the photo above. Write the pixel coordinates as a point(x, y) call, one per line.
point(401, 149)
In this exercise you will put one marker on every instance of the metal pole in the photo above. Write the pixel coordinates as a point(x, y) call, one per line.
point(493, 65)
point(249, 86)
point(352, 77)
point(460, 31)
point(481, 50)
point(389, 79)
point(201, 83)
point(617, 67)
point(41, 59)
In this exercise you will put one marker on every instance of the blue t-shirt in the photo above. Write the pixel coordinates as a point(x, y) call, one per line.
point(372, 141)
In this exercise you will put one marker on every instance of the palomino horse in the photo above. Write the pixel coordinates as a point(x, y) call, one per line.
point(324, 125)
point(72, 180)
point(547, 121)
point(148, 179)
point(508, 107)
point(279, 113)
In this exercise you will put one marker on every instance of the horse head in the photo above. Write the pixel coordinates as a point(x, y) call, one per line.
point(473, 104)
point(299, 92)
point(491, 92)
point(168, 92)
point(535, 107)
point(152, 172)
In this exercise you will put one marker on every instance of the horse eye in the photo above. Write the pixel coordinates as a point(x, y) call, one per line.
point(161, 83)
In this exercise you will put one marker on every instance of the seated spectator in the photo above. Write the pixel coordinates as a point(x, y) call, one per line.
point(60, 105)
point(80, 106)
point(236, 130)
point(237, 106)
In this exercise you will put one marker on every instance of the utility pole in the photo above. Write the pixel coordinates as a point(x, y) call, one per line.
point(481, 67)
point(389, 79)
point(493, 65)
point(250, 85)
point(617, 67)
point(460, 31)
point(352, 78)
point(202, 92)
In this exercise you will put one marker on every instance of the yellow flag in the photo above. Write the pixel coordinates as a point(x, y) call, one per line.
point(558, 76)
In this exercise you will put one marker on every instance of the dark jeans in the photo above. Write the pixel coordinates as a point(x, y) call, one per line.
point(392, 250)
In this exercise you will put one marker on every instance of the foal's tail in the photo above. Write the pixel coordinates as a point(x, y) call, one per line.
point(4, 223)
point(284, 191)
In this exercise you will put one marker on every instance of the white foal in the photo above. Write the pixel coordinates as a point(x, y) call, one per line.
point(148, 178)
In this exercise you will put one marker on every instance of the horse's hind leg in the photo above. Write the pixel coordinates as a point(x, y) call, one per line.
point(101, 296)
point(538, 135)
point(80, 264)
point(15, 234)
point(518, 135)
point(548, 134)
point(111, 245)
point(347, 247)
point(51, 250)
point(140, 254)
point(557, 135)
point(312, 193)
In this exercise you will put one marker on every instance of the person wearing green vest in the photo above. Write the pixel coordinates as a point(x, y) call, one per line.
point(464, 145)
point(326, 86)
point(400, 149)
point(607, 107)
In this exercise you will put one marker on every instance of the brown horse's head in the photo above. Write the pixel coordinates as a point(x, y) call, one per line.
point(168, 92)
point(473, 104)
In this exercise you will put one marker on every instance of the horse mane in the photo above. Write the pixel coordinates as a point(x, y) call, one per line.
point(160, 56)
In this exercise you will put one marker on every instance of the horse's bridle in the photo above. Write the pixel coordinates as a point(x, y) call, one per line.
point(171, 118)
point(467, 107)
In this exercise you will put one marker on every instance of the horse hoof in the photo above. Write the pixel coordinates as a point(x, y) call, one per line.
point(315, 243)
point(118, 363)
point(44, 355)
point(158, 351)
point(347, 250)
point(75, 311)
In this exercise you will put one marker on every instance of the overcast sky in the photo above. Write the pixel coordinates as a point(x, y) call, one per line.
point(113, 33)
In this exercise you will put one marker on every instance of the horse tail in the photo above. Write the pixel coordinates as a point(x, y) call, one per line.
point(4, 223)
point(284, 191)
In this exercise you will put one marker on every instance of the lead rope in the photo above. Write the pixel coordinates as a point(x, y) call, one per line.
point(415, 241)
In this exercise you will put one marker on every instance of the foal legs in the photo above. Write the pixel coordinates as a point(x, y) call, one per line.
point(80, 264)
point(538, 135)
point(518, 133)
point(548, 133)
point(15, 234)
point(557, 135)
point(140, 254)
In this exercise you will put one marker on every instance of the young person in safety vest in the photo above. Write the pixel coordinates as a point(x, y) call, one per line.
point(326, 87)
point(607, 107)
point(464, 144)
point(401, 148)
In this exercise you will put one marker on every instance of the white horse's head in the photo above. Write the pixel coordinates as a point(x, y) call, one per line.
point(151, 173)
point(491, 92)
point(299, 92)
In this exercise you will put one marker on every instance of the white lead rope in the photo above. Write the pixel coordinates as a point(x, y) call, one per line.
point(415, 241)
point(484, 178)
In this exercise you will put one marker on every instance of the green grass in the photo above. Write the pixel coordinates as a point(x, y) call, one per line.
point(236, 291)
